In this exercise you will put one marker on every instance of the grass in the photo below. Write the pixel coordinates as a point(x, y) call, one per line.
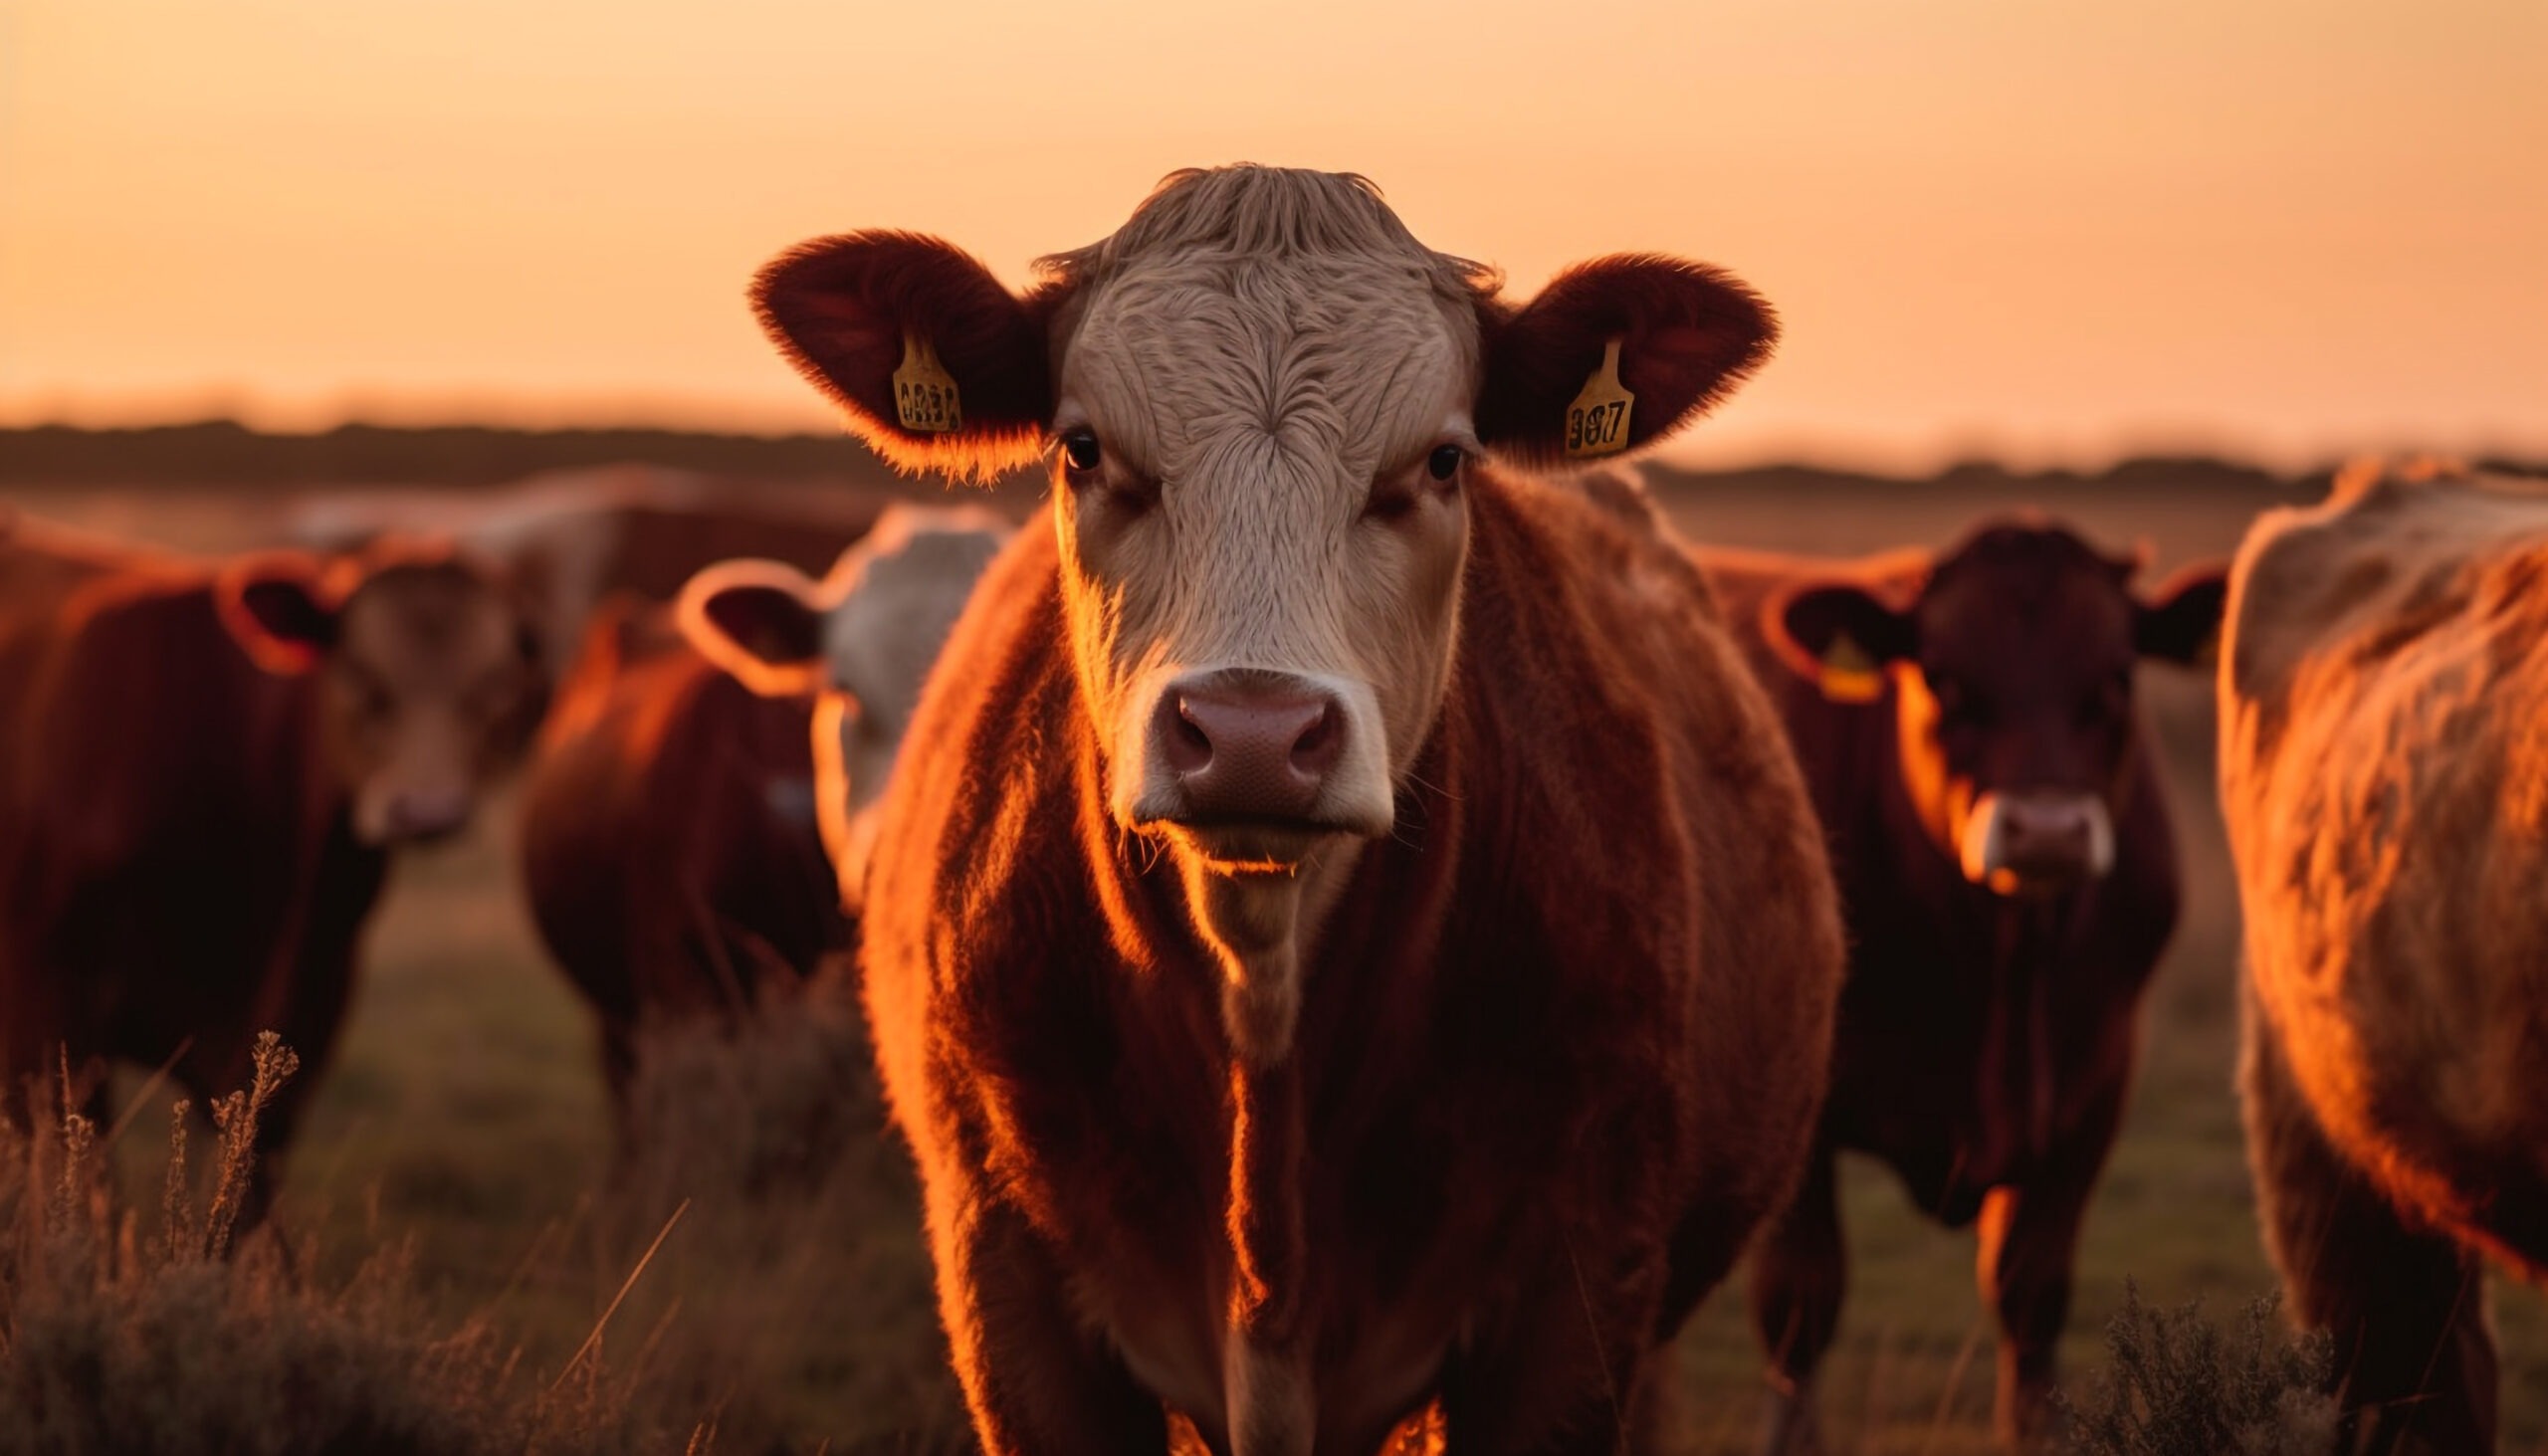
point(457, 1165)
point(178, 1334)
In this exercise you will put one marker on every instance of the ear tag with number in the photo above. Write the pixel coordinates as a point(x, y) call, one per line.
point(1849, 673)
point(1596, 424)
point(924, 396)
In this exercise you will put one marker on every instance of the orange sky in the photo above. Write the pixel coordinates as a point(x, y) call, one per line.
point(2287, 228)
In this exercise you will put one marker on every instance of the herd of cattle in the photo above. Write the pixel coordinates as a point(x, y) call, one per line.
point(1352, 924)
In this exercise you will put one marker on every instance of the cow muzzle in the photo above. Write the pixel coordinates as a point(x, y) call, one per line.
point(1247, 753)
point(2036, 843)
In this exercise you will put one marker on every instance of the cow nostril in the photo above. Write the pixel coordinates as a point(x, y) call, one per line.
point(1188, 748)
point(1314, 751)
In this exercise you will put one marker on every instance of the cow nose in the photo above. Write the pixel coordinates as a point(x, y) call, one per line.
point(1248, 745)
point(2035, 841)
point(2051, 834)
point(428, 813)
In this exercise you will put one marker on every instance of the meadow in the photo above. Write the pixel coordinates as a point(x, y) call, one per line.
point(779, 1298)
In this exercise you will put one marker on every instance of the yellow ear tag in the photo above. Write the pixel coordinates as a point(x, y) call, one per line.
point(1849, 673)
point(924, 392)
point(1596, 424)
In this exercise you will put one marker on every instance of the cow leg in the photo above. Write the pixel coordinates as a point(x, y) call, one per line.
point(1799, 1271)
point(2404, 1307)
point(1571, 1371)
point(1037, 1383)
point(2030, 1244)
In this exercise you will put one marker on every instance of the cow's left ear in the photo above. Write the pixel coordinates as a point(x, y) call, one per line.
point(1838, 636)
point(2179, 621)
point(1686, 337)
point(761, 621)
point(281, 607)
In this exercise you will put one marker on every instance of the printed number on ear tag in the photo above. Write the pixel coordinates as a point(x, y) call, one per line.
point(1596, 424)
point(1849, 673)
point(924, 396)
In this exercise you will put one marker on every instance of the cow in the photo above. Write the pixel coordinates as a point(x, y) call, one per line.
point(697, 776)
point(2384, 772)
point(573, 539)
point(2009, 879)
point(204, 770)
point(669, 851)
point(860, 642)
point(1345, 935)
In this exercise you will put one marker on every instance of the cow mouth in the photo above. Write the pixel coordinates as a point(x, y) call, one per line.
point(2034, 882)
point(1243, 845)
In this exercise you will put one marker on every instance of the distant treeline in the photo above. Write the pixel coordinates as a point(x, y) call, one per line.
point(226, 454)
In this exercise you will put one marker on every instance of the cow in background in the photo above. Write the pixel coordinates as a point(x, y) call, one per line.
point(859, 643)
point(203, 774)
point(669, 849)
point(573, 540)
point(1967, 724)
point(1348, 931)
point(2384, 771)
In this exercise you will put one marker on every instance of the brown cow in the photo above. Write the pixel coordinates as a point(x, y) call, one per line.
point(189, 839)
point(2384, 768)
point(1347, 930)
point(2009, 878)
point(669, 849)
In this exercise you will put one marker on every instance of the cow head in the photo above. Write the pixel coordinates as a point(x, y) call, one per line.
point(2011, 663)
point(431, 680)
point(861, 641)
point(1261, 400)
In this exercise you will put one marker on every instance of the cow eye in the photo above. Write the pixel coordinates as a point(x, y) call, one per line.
point(1444, 462)
point(1080, 452)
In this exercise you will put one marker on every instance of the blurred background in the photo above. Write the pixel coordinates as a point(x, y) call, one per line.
point(2153, 267)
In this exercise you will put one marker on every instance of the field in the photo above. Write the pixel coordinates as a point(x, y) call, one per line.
point(463, 1115)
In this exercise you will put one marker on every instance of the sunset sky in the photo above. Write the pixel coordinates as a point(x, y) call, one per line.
point(2280, 228)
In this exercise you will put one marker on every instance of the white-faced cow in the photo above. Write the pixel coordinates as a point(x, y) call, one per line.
point(1345, 931)
point(203, 771)
point(1967, 726)
point(860, 643)
point(2384, 768)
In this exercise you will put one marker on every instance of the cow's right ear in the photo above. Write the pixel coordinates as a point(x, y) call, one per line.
point(281, 607)
point(937, 364)
point(1840, 636)
point(761, 622)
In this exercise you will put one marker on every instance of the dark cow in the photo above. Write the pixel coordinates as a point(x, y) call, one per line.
point(669, 847)
point(1346, 929)
point(192, 834)
point(2008, 873)
point(2384, 769)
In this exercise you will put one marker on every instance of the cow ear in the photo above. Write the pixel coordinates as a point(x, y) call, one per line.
point(1838, 636)
point(761, 622)
point(2179, 621)
point(1686, 335)
point(937, 365)
point(281, 607)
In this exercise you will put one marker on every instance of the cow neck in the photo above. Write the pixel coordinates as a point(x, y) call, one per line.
point(1364, 976)
point(2033, 943)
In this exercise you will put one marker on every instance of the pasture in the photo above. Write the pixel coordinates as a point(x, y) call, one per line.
point(463, 1117)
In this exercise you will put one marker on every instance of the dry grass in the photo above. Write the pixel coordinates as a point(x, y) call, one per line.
point(2179, 1386)
point(795, 1305)
point(118, 1335)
